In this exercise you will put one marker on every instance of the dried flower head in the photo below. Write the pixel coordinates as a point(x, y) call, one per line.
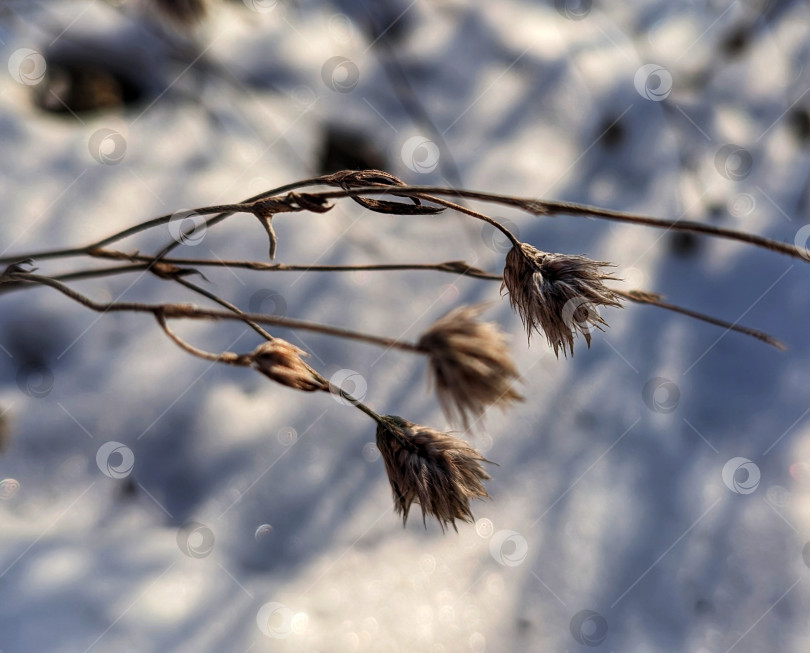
point(436, 470)
point(470, 364)
point(557, 294)
point(283, 362)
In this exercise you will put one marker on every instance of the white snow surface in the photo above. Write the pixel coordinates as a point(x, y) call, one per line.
point(256, 518)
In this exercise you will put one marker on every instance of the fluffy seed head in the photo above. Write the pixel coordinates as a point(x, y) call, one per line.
point(470, 365)
point(557, 294)
point(283, 362)
point(436, 470)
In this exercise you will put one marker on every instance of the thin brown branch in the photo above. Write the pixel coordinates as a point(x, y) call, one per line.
point(547, 208)
point(210, 222)
point(641, 297)
point(276, 200)
point(222, 212)
point(460, 268)
point(163, 311)
point(328, 385)
point(225, 303)
point(126, 233)
point(227, 357)
point(284, 199)
point(178, 311)
point(457, 267)
point(475, 214)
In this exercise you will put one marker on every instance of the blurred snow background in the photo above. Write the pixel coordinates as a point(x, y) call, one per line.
point(235, 515)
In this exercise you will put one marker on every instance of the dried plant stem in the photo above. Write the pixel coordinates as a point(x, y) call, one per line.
point(475, 214)
point(652, 299)
point(352, 185)
point(80, 275)
point(227, 357)
point(162, 311)
point(126, 233)
point(245, 361)
point(546, 208)
point(262, 332)
point(460, 268)
point(177, 311)
point(428, 193)
point(222, 212)
point(355, 402)
point(469, 360)
point(223, 302)
point(457, 267)
point(210, 222)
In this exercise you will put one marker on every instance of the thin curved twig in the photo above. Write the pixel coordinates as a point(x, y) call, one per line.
point(459, 268)
point(548, 208)
point(177, 311)
point(652, 299)
point(227, 357)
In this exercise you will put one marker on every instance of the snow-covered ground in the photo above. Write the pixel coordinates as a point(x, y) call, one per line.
point(652, 493)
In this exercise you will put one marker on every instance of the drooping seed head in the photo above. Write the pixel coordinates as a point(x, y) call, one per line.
point(470, 365)
point(436, 470)
point(558, 295)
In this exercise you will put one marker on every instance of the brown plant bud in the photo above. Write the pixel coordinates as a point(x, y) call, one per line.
point(470, 365)
point(557, 294)
point(436, 470)
point(283, 362)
